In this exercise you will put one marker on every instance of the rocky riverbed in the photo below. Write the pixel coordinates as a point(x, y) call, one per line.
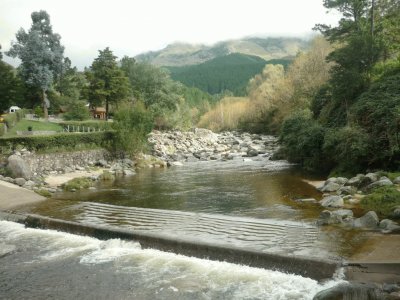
point(48, 172)
point(341, 194)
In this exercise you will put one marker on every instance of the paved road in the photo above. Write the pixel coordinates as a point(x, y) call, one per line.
point(12, 196)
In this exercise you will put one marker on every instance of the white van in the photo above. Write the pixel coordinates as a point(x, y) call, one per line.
point(13, 109)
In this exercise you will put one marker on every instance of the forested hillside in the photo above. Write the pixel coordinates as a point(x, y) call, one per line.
point(226, 73)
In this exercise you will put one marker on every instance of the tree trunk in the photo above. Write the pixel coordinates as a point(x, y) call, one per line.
point(45, 111)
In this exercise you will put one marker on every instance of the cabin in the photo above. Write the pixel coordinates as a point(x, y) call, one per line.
point(98, 113)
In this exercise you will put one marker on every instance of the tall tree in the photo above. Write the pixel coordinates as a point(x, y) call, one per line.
point(108, 82)
point(11, 86)
point(41, 55)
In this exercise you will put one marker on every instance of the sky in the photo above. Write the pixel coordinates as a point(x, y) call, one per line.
point(131, 27)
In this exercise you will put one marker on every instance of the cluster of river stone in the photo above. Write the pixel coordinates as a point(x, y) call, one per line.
point(176, 147)
point(172, 148)
point(341, 192)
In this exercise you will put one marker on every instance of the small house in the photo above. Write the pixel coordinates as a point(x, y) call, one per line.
point(99, 113)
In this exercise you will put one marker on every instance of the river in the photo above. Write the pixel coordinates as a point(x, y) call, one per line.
point(210, 196)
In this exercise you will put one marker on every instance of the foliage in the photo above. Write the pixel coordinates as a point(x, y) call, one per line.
point(11, 87)
point(302, 139)
point(108, 83)
point(77, 111)
point(229, 72)
point(132, 124)
point(225, 115)
point(382, 200)
point(63, 141)
point(41, 54)
point(377, 111)
point(153, 86)
point(77, 184)
point(275, 94)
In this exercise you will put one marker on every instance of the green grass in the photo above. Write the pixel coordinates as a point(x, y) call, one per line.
point(383, 200)
point(36, 126)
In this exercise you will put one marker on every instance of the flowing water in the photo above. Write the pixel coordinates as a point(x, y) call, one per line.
point(249, 204)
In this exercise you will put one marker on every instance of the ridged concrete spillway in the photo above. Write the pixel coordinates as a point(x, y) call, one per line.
point(264, 243)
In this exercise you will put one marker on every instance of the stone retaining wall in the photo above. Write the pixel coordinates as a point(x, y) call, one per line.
point(65, 161)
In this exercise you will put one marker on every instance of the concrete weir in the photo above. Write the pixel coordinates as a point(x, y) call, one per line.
point(315, 268)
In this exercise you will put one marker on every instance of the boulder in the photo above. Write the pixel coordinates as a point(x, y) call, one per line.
point(18, 167)
point(355, 181)
point(330, 187)
point(372, 177)
point(347, 190)
point(252, 152)
point(175, 163)
point(20, 181)
point(339, 216)
point(396, 213)
point(383, 181)
point(387, 226)
point(370, 220)
point(306, 200)
point(129, 172)
point(350, 290)
point(332, 201)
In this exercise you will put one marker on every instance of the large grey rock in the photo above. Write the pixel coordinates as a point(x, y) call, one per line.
point(396, 213)
point(350, 291)
point(332, 201)
point(387, 226)
point(339, 216)
point(330, 187)
point(20, 181)
point(372, 177)
point(370, 220)
point(355, 181)
point(396, 180)
point(18, 167)
point(383, 181)
point(347, 190)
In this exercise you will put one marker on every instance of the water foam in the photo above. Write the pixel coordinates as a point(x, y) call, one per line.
point(167, 272)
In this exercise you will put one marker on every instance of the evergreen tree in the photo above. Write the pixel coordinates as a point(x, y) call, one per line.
point(108, 82)
point(41, 55)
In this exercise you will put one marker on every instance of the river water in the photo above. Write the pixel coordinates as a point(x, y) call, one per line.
point(200, 201)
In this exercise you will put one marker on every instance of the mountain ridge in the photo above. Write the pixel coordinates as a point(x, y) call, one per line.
point(183, 54)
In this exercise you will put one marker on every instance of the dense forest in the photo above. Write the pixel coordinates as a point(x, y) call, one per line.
point(225, 73)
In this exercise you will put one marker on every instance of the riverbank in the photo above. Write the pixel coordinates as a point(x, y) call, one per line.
point(12, 196)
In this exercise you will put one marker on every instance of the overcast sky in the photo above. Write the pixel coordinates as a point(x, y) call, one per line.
point(130, 27)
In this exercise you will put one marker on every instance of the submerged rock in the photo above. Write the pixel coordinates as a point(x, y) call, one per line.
point(387, 226)
point(339, 216)
point(332, 201)
point(351, 291)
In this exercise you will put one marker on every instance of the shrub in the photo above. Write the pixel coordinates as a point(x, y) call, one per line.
point(132, 124)
point(302, 139)
point(106, 176)
point(383, 200)
point(43, 192)
point(77, 111)
point(64, 141)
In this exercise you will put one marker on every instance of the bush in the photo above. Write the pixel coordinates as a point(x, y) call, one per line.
point(383, 200)
point(302, 139)
point(77, 111)
point(132, 124)
point(64, 141)
point(349, 149)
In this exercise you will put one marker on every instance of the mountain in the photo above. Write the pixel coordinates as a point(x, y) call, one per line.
point(229, 72)
point(182, 54)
